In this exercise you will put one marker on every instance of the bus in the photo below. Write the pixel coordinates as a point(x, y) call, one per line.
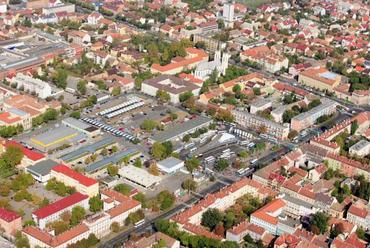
point(241, 171)
point(251, 145)
point(254, 161)
point(139, 223)
point(226, 151)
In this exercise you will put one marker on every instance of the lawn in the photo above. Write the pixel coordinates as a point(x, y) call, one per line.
point(254, 3)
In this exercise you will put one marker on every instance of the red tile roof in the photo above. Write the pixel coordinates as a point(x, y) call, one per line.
point(8, 118)
point(357, 211)
point(34, 156)
point(84, 180)
point(55, 241)
point(7, 215)
point(126, 203)
point(59, 205)
point(199, 56)
point(273, 206)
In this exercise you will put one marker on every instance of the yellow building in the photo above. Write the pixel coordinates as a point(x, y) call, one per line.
point(81, 183)
point(320, 78)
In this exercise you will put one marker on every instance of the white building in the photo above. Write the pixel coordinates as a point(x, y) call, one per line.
point(359, 215)
point(360, 149)
point(170, 165)
point(94, 18)
point(260, 105)
point(52, 212)
point(228, 14)
point(28, 83)
point(220, 64)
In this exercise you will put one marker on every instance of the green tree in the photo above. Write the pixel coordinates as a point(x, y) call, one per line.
point(165, 199)
point(256, 91)
point(123, 189)
point(319, 222)
point(361, 233)
point(211, 218)
point(354, 127)
point(163, 96)
point(81, 87)
point(243, 154)
point(114, 227)
point(148, 125)
point(185, 96)
point(189, 185)
point(138, 163)
point(192, 163)
point(158, 151)
point(112, 170)
point(75, 114)
point(95, 204)
point(221, 164)
point(5, 189)
point(60, 78)
point(78, 213)
point(116, 91)
point(21, 241)
point(168, 148)
point(237, 88)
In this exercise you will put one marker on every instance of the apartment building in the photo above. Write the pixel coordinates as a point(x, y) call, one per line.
point(267, 217)
point(10, 222)
point(52, 212)
point(320, 78)
point(30, 84)
point(81, 183)
point(238, 232)
point(360, 149)
point(261, 124)
point(307, 119)
point(15, 117)
point(265, 57)
point(360, 215)
point(118, 206)
point(40, 238)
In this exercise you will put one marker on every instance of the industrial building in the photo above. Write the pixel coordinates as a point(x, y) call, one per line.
point(55, 138)
point(85, 151)
point(178, 131)
point(170, 165)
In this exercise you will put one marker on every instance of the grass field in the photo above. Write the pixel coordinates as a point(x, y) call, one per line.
point(255, 3)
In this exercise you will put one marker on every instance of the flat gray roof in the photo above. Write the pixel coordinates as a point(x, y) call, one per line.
point(42, 168)
point(56, 136)
point(110, 160)
point(87, 149)
point(326, 103)
point(297, 201)
point(179, 129)
point(170, 162)
point(76, 123)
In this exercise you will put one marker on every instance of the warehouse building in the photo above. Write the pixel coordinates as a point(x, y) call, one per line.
point(178, 131)
point(55, 138)
point(85, 151)
point(170, 165)
point(41, 170)
point(139, 176)
point(96, 168)
point(82, 127)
